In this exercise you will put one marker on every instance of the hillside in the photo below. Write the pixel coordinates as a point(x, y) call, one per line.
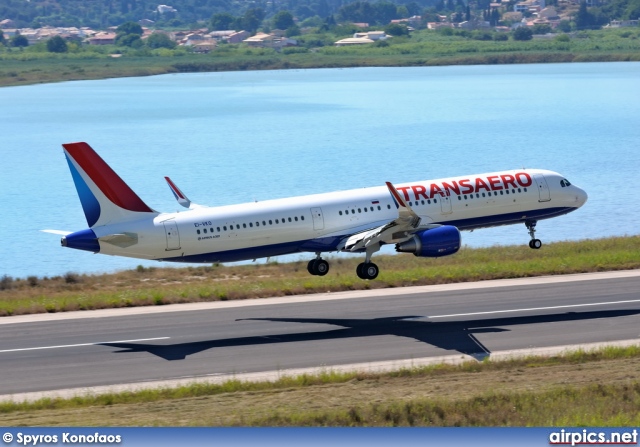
point(105, 13)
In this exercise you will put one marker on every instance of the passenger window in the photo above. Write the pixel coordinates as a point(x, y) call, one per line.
point(224, 228)
point(339, 212)
point(251, 224)
point(198, 231)
point(277, 221)
point(379, 209)
point(290, 218)
point(302, 217)
point(296, 218)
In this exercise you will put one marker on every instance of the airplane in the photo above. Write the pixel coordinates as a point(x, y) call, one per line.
point(424, 217)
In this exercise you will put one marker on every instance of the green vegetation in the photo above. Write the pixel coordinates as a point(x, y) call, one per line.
point(35, 64)
point(151, 286)
point(598, 388)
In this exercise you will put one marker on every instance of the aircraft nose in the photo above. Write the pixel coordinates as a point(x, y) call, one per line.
point(581, 196)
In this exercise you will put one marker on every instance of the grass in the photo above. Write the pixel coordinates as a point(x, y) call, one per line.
point(595, 388)
point(160, 286)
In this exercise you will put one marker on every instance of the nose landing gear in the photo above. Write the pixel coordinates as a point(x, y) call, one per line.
point(533, 243)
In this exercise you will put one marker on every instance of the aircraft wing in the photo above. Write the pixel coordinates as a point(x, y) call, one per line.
point(181, 197)
point(399, 229)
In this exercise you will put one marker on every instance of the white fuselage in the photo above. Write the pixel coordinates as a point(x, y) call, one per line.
point(321, 222)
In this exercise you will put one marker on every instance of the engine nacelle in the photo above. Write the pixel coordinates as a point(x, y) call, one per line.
point(440, 241)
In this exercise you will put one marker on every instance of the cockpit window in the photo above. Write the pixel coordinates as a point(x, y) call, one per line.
point(564, 182)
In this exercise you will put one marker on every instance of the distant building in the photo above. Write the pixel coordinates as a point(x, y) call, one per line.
point(373, 35)
point(7, 23)
point(238, 37)
point(353, 41)
point(103, 39)
point(622, 23)
point(163, 9)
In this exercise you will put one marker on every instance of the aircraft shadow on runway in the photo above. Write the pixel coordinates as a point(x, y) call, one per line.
point(448, 335)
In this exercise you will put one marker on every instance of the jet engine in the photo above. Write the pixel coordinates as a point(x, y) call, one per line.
point(440, 241)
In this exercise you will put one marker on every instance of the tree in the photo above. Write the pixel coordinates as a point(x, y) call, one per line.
point(584, 19)
point(2, 40)
point(564, 26)
point(57, 45)
point(252, 19)
point(222, 21)
point(283, 20)
point(541, 28)
point(522, 33)
point(19, 41)
point(129, 40)
point(160, 40)
point(395, 29)
point(130, 28)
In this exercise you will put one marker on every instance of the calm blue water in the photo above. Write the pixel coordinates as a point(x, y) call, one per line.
point(233, 137)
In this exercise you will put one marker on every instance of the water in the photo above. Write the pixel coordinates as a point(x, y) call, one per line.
point(242, 136)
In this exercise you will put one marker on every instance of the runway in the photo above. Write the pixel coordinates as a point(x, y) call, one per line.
point(79, 351)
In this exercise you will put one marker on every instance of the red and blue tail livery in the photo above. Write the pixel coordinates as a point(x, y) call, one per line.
point(422, 217)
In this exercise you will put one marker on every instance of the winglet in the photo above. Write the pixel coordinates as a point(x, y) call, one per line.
point(182, 197)
point(179, 195)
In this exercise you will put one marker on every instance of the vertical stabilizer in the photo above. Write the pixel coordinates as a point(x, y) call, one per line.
point(105, 197)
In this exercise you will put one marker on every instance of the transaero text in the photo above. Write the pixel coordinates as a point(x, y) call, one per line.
point(67, 438)
point(467, 186)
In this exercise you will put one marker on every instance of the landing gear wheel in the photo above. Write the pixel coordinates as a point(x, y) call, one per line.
point(367, 270)
point(535, 243)
point(310, 266)
point(318, 267)
point(321, 267)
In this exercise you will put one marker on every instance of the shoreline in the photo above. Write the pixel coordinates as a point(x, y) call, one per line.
point(51, 70)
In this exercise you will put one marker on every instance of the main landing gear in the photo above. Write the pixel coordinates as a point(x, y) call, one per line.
point(533, 243)
point(318, 266)
point(365, 270)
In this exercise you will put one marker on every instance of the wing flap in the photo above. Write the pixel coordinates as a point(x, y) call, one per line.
point(399, 229)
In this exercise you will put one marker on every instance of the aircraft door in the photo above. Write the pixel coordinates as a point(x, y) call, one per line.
point(445, 204)
point(543, 188)
point(318, 219)
point(173, 237)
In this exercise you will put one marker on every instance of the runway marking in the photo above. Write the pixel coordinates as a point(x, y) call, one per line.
point(534, 308)
point(81, 344)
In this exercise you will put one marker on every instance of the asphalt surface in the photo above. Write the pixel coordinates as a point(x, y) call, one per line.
point(92, 349)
